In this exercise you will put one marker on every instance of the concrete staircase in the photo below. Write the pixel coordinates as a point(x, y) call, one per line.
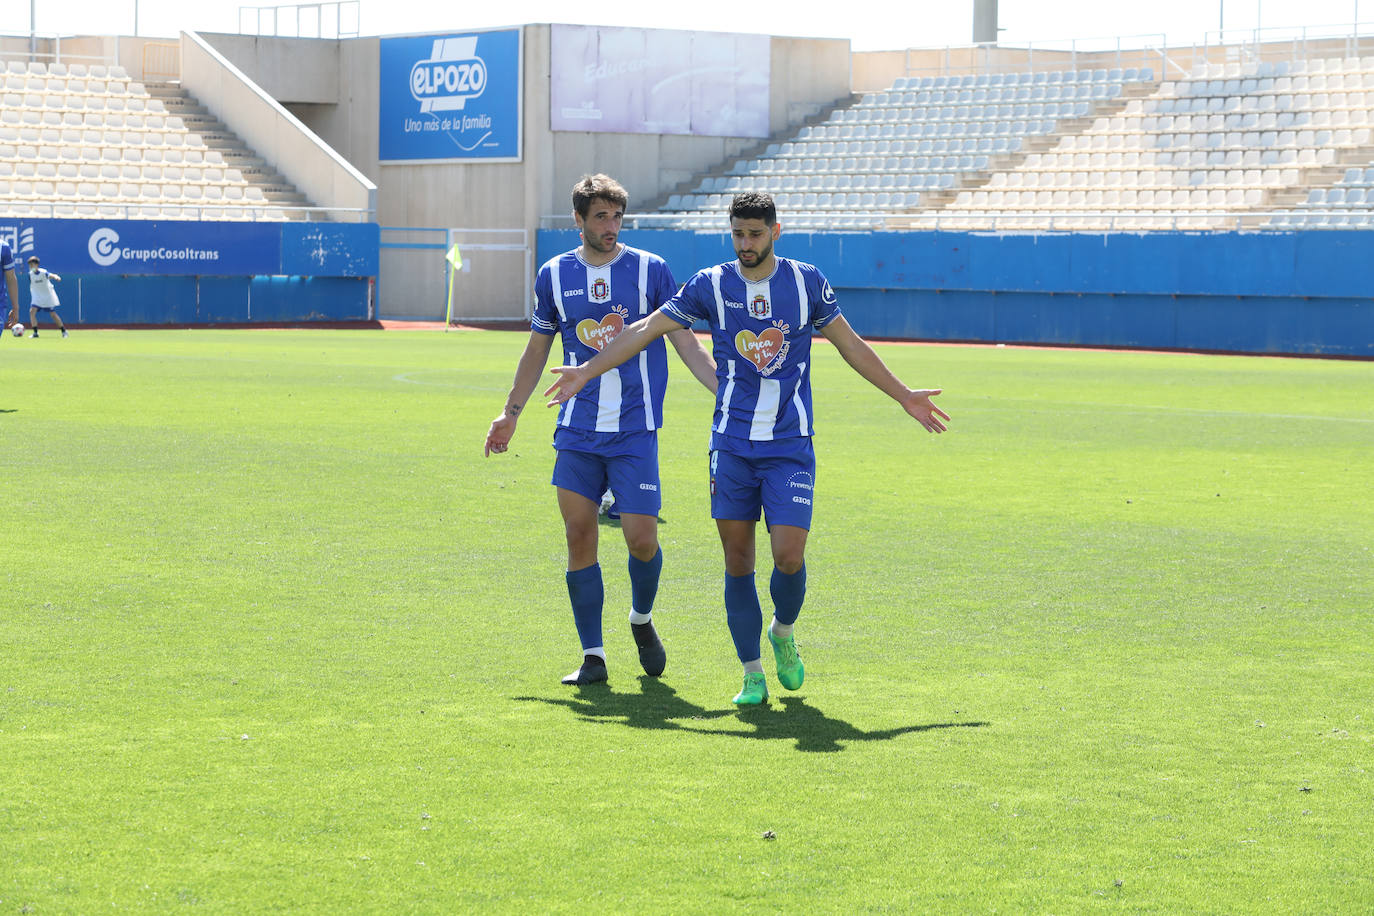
point(255, 170)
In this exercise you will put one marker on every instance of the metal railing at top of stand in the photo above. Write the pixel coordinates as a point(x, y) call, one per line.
point(311, 20)
point(41, 209)
point(1219, 220)
point(1351, 39)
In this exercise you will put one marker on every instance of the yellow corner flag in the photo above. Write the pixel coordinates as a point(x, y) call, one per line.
point(455, 260)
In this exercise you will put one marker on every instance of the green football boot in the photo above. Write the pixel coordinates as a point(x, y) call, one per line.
point(755, 690)
point(790, 669)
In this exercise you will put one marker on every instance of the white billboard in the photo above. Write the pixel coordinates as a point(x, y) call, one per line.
point(657, 81)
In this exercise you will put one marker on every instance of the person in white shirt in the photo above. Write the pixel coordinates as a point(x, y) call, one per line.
point(42, 296)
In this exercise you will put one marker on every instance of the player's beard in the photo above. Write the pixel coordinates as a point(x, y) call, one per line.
point(754, 258)
point(599, 243)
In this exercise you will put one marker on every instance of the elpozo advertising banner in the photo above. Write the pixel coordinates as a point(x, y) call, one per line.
point(659, 81)
point(446, 97)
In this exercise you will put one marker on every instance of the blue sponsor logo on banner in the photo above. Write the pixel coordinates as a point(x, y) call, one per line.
point(450, 97)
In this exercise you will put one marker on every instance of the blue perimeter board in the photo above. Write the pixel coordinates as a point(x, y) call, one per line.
point(1270, 292)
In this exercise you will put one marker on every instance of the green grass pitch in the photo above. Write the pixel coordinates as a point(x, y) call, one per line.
point(275, 637)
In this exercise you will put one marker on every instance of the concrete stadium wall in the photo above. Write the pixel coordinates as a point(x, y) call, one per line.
point(325, 177)
point(807, 75)
point(1275, 293)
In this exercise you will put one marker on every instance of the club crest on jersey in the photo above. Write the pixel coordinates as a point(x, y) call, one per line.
point(601, 290)
point(760, 307)
point(767, 350)
point(596, 334)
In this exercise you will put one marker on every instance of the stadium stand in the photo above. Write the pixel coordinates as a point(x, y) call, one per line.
point(896, 150)
point(87, 141)
point(1271, 144)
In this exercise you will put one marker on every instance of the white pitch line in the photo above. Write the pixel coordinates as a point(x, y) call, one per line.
point(1200, 411)
point(406, 378)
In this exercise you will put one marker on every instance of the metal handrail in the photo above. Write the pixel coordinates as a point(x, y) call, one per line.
point(132, 211)
point(1059, 54)
point(1055, 221)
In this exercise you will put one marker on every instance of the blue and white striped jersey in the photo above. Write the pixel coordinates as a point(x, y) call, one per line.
point(762, 344)
point(589, 306)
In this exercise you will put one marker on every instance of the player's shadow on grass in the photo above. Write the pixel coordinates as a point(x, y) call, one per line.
point(656, 705)
point(813, 730)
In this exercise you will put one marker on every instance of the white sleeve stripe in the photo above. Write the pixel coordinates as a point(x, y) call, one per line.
point(677, 316)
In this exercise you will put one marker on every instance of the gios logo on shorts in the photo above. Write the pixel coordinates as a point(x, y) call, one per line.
point(801, 485)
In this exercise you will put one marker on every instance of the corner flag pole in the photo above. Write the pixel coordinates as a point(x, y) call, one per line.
point(455, 264)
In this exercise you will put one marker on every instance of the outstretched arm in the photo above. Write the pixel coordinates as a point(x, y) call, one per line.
point(527, 373)
point(626, 344)
point(695, 357)
point(859, 355)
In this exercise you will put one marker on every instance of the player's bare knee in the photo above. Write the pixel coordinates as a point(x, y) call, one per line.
point(789, 563)
point(642, 547)
point(738, 561)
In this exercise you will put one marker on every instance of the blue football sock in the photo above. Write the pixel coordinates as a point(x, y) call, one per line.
point(788, 594)
point(743, 615)
point(644, 582)
point(587, 594)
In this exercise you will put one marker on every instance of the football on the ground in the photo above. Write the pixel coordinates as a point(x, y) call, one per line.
point(17, 329)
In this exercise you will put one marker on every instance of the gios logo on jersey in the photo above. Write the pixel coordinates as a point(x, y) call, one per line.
point(596, 334)
point(767, 350)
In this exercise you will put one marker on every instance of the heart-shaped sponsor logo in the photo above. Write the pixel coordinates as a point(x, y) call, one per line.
point(759, 350)
point(596, 334)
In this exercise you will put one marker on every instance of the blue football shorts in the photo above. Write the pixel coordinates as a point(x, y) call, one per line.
point(781, 487)
point(589, 463)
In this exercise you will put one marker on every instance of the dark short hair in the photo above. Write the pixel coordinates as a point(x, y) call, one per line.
point(754, 205)
point(590, 187)
point(32, 258)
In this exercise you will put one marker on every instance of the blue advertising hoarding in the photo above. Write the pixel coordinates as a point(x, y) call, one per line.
point(127, 247)
point(446, 97)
